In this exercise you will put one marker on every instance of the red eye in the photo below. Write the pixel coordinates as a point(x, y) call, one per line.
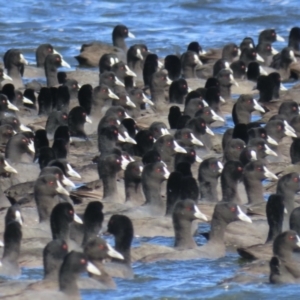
point(119, 113)
point(193, 153)
point(116, 131)
point(110, 77)
point(249, 101)
point(74, 86)
point(184, 86)
point(238, 147)
point(122, 68)
point(57, 59)
point(150, 137)
point(207, 113)
point(243, 67)
point(254, 53)
point(118, 161)
point(125, 30)
point(240, 169)
point(273, 33)
point(101, 247)
point(213, 166)
point(15, 121)
point(84, 114)
point(169, 143)
point(279, 127)
point(143, 49)
point(51, 183)
point(189, 208)
point(65, 246)
point(186, 136)
point(57, 176)
point(202, 124)
point(233, 209)
point(259, 147)
point(3, 101)
point(24, 140)
point(296, 179)
point(268, 47)
point(64, 116)
point(71, 212)
point(83, 261)
point(158, 170)
point(294, 108)
point(263, 135)
point(162, 78)
point(292, 237)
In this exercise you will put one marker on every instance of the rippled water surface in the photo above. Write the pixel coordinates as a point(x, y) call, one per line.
point(166, 27)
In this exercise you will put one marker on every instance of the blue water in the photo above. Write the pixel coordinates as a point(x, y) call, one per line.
point(166, 27)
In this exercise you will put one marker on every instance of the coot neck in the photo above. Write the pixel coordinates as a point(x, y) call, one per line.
point(177, 97)
point(183, 235)
point(152, 190)
point(105, 145)
point(12, 243)
point(133, 191)
point(44, 206)
point(120, 43)
point(77, 131)
point(288, 200)
point(51, 75)
point(51, 270)
point(294, 44)
point(229, 189)
point(254, 190)
point(188, 72)
point(208, 190)
point(285, 63)
point(275, 228)
point(217, 230)
point(265, 95)
point(166, 156)
point(60, 229)
point(157, 94)
point(104, 278)
point(14, 72)
point(14, 154)
point(172, 197)
point(242, 115)
point(67, 283)
point(91, 230)
point(134, 64)
point(275, 92)
point(225, 91)
point(122, 245)
point(109, 185)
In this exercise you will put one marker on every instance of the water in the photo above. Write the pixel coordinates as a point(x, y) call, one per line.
point(166, 27)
